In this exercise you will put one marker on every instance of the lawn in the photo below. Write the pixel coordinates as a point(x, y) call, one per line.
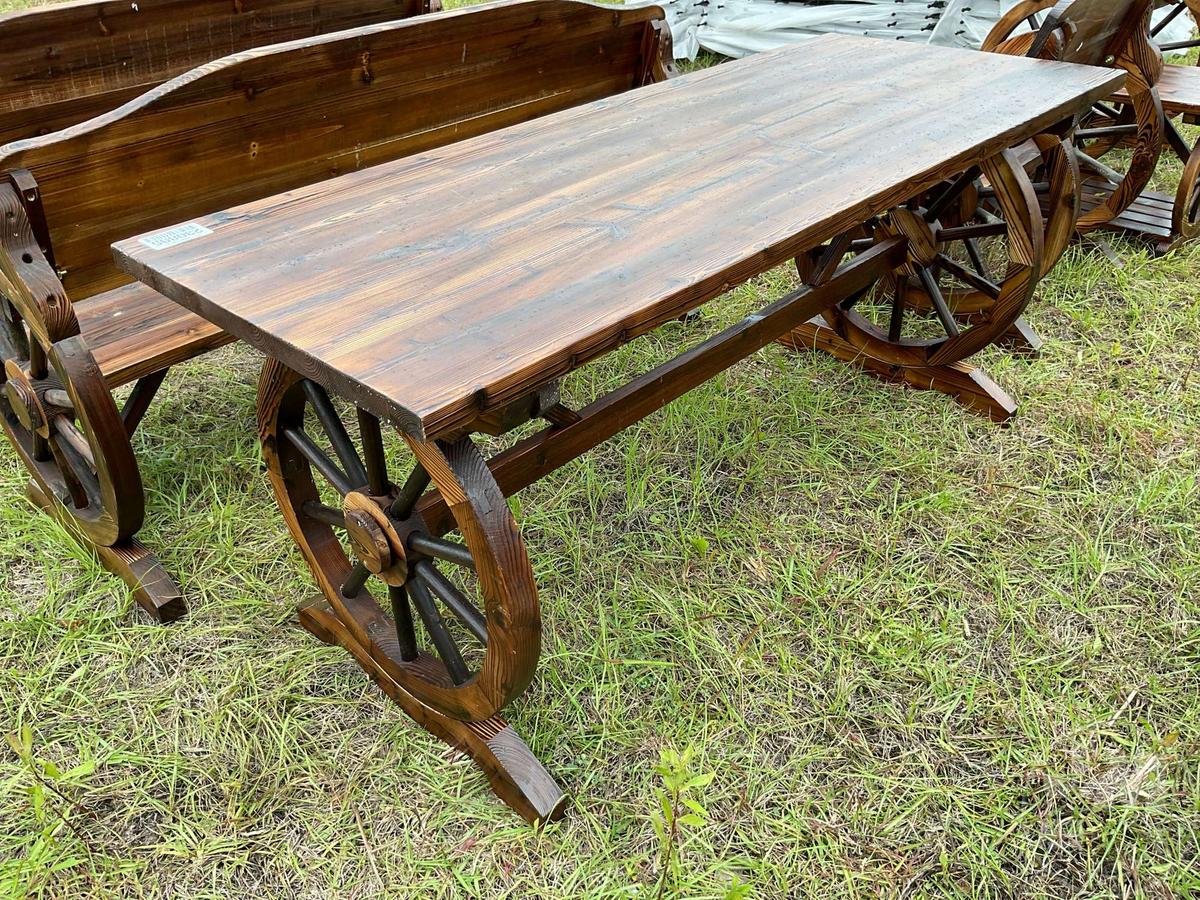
point(919, 654)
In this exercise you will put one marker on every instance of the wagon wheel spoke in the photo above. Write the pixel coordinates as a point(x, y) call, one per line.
point(70, 450)
point(973, 278)
point(373, 453)
point(455, 600)
point(447, 551)
point(972, 232)
point(66, 432)
point(352, 469)
point(355, 580)
point(319, 512)
point(952, 192)
point(896, 319)
point(414, 486)
point(446, 648)
point(981, 268)
point(39, 367)
point(402, 617)
point(929, 282)
point(318, 460)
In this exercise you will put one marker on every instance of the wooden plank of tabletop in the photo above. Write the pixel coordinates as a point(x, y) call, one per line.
point(453, 281)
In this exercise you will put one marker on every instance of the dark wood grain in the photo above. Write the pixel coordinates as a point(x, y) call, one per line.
point(1178, 89)
point(251, 125)
point(64, 63)
point(134, 331)
point(432, 289)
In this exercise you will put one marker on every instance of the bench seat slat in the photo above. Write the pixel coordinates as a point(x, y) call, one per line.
point(1178, 88)
point(135, 331)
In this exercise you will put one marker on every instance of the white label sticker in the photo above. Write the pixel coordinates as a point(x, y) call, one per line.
point(172, 237)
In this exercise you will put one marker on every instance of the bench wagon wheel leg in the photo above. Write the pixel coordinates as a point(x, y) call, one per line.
point(60, 418)
point(1185, 214)
point(458, 636)
point(971, 269)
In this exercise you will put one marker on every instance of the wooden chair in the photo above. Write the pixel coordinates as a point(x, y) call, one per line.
point(1166, 220)
point(247, 126)
point(1099, 33)
point(66, 63)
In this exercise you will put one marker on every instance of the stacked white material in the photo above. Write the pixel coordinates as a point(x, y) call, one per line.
point(742, 27)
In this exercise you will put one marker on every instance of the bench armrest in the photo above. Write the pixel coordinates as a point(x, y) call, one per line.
point(27, 278)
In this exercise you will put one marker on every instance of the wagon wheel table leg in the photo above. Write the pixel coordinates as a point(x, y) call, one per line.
point(461, 635)
point(58, 414)
point(1053, 169)
point(975, 253)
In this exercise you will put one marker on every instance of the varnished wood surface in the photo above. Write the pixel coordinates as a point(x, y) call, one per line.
point(64, 63)
point(133, 331)
point(438, 286)
point(1178, 88)
point(271, 119)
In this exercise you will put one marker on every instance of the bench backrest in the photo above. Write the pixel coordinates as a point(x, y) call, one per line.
point(66, 63)
point(1092, 32)
point(267, 120)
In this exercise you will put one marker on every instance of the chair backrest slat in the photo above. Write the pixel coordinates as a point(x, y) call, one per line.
point(1091, 32)
point(268, 120)
point(63, 64)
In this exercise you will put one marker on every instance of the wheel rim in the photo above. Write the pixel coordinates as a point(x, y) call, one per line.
point(60, 418)
point(462, 630)
point(970, 272)
point(1186, 212)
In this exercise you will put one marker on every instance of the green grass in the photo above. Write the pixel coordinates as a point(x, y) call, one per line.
point(923, 655)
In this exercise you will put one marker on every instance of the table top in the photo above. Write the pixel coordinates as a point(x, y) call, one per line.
point(437, 286)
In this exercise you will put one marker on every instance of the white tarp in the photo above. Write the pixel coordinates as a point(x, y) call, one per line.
point(742, 27)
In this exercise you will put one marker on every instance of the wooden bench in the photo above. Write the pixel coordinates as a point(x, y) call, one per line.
point(1098, 33)
point(247, 126)
point(66, 63)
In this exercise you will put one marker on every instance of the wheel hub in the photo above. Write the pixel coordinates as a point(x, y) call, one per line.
point(373, 537)
point(23, 399)
point(922, 245)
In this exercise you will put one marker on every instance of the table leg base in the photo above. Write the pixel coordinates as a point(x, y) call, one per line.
point(154, 590)
point(1021, 340)
point(965, 383)
point(515, 774)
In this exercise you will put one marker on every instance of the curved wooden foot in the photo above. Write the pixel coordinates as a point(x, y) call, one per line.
point(965, 383)
point(513, 771)
point(1021, 339)
point(154, 590)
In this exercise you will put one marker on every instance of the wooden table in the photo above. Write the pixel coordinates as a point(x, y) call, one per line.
point(446, 293)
